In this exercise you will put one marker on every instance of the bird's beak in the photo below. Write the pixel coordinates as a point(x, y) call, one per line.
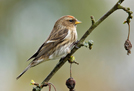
point(77, 22)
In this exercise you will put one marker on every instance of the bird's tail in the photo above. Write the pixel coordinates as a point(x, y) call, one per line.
point(24, 71)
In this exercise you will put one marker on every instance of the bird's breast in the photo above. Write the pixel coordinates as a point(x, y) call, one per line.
point(63, 48)
point(72, 35)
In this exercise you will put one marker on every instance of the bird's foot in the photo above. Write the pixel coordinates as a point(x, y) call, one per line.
point(75, 43)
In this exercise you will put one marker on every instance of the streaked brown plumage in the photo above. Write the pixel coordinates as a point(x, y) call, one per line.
point(59, 42)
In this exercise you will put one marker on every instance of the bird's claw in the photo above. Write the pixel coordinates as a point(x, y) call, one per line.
point(75, 43)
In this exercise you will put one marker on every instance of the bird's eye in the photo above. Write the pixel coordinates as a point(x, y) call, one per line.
point(71, 20)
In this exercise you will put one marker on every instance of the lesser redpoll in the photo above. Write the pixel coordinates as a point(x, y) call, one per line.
point(58, 44)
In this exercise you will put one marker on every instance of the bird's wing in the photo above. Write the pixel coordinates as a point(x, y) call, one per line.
point(57, 36)
point(49, 45)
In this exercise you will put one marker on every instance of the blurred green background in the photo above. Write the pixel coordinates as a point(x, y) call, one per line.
point(25, 25)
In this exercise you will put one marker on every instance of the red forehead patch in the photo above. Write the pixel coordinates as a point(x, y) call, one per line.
point(70, 16)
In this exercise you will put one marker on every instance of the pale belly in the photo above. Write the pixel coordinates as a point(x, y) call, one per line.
point(62, 52)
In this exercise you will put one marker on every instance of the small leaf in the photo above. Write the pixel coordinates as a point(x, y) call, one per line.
point(32, 82)
point(124, 22)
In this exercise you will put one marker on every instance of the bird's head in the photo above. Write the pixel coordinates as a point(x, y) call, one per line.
point(67, 21)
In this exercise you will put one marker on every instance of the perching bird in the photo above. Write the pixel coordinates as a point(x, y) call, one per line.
point(59, 43)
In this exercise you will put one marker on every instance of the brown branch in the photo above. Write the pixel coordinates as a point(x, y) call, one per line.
point(78, 45)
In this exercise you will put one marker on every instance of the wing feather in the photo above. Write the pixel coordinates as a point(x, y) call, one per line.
point(49, 45)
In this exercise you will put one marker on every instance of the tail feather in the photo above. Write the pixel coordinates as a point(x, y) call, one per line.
point(23, 71)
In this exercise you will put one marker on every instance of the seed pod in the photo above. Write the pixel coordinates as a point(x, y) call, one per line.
point(128, 46)
point(70, 83)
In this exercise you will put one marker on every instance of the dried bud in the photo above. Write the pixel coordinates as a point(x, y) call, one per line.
point(70, 83)
point(128, 46)
point(32, 82)
point(128, 8)
point(124, 22)
point(90, 43)
point(131, 16)
point(71, 59)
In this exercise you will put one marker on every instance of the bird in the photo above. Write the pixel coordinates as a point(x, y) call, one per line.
point(58, 44)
